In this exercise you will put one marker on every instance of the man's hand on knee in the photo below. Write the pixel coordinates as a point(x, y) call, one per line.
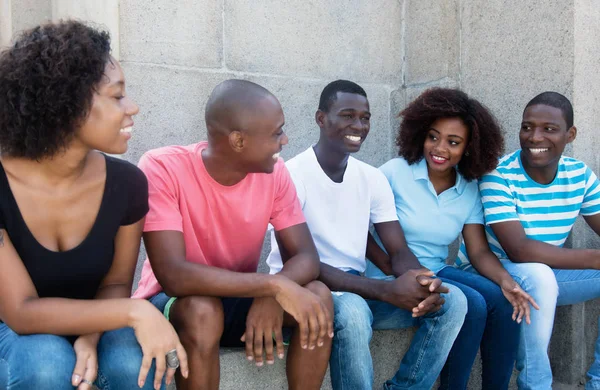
point(264, 321)
point(315, 321)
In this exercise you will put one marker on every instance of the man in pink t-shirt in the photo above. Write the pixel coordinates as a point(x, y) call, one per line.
point(210, 205)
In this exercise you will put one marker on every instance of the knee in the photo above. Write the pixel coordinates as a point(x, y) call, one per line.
point(323, 292)
point(120, 358)
point(455, 307)
point(198, 320)
point(49, 361)
point(352, 317)
point(539, 281)
point(476, 307)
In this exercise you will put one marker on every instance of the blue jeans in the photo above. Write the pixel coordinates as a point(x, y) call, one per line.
point(43, 361)
point(488, 324)
point(351, 366)
point(550, 287)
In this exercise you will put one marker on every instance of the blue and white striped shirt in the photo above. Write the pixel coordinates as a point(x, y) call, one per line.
point(546, 211)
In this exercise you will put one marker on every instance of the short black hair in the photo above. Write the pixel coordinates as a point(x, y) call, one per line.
point(556, 100)
point(329, 94)
point(47, 82)
point(486, 142)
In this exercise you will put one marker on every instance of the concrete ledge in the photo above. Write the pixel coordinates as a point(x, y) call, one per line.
point(388, 348)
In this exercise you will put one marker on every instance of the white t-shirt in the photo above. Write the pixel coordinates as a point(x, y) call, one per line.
point(338, 214)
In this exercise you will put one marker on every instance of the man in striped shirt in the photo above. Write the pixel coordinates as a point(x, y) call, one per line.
point(531, 201)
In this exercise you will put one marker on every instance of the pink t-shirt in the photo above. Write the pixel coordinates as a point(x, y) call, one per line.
point(223, 226)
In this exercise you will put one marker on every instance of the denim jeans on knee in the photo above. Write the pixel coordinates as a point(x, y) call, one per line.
point(488, 327)
point(550, 287)
point(351, 366)
point(42, 361)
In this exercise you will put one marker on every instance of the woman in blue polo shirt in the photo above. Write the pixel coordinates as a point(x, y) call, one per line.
point(446, 142)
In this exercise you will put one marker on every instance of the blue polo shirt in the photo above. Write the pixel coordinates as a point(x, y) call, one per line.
point(431, 222)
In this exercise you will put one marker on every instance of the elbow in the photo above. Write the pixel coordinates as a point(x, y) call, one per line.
point(315, 269)
point(171, 284)
point(19, 327)
point(517, 254)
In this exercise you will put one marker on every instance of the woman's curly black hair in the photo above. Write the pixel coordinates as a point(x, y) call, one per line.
point(47, 81)
point(485, 145)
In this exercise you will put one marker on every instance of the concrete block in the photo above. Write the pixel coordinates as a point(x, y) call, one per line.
point(352, 39)
point(586, 99)
point(16, 16)
point(567, 347)
point(387, 348)
point(432, 40)
point(171, 105)
point(103, 13)
point(512, 50)
point(186, 32)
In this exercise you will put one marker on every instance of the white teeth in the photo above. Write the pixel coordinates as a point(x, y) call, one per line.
point(276, 156)
point(353, 138)
point(126, 129)
point(538, 150)
point(437, 158)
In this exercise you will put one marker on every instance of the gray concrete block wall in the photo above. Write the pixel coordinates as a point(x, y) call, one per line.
point(502, 52)
point(512, 50)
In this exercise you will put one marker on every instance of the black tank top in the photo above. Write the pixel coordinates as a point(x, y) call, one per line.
point(78, 272)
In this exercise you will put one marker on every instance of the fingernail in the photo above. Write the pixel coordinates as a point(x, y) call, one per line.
point(141, 384)
point(320, 343)
point(270, 362)
point(185, 373)
point(331, 334)
point(304, 346)
point(250, 358)
point(259, 364)
point(280, 356)
point(76, 378)
point(311, 347)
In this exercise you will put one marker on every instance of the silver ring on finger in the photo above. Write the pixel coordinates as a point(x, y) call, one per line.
point(172, 359)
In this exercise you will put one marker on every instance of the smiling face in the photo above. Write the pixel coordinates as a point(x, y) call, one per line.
point(543, 137)
point(347, 123)
point(445, 144)
point(264, 138)
point(108, 125)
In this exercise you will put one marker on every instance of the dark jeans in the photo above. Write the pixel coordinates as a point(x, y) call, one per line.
point(488, 324)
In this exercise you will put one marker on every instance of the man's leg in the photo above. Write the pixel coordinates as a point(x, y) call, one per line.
point(306, 368)
point(537, 280)
point(575, 286)
point(351, 365)
point(199, 323)
point(431, 344)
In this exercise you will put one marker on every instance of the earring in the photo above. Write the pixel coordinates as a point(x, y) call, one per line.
point(466, 153)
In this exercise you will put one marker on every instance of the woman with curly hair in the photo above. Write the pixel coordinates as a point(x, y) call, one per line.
point(71, 220)
point(446, 142)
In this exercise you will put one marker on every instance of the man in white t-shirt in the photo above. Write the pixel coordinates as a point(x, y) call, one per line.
point(340, 197)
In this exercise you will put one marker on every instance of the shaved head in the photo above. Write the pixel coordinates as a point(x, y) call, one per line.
point(233, 105)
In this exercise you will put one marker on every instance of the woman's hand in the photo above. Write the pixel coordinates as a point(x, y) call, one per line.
point(86, 366)
point(519, 299)
point(156, 337)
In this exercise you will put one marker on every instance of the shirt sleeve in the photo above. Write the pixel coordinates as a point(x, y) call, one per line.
point(383, 205)
point(476, 215)
point(137, 207)
point(163, 199)
point(591, 198)
point(286, 206)
point(499, 204)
